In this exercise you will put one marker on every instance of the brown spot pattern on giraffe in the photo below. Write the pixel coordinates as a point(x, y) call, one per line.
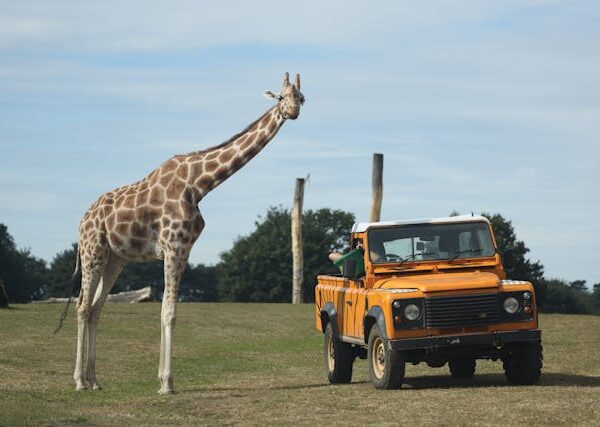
point(175, 189)
point(182, 172)
point(226, 155)
point(211, 165)
point(165, 179)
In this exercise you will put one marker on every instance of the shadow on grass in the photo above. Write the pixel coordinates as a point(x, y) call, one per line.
point(550, 379)
point(438, 382)
point(282, 387)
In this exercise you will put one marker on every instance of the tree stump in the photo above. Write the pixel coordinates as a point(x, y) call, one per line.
point(3, 295)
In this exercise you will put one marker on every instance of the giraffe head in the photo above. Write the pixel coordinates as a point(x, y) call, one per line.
point(289, 99)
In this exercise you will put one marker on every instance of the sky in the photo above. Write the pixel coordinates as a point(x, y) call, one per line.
point(477, 106)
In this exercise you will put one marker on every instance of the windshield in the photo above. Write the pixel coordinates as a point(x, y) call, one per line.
point(430, 242)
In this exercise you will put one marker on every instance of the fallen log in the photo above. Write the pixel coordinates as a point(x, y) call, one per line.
point(139, 295)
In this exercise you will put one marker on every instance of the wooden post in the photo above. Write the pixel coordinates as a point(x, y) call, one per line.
point(297, 249)
point(377, 187)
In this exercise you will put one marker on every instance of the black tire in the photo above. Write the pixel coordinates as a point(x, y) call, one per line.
point(462, 368)
point(386, 366)
point(523, 363)
point(338, 358)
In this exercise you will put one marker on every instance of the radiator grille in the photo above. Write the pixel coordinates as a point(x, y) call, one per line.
point(464, 310)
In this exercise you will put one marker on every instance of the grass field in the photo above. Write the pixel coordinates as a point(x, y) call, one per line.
point(263, 364)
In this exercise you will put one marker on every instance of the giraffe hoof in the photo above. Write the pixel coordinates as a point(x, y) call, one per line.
point(96, 386)
point(80, 387)
point(164, 391)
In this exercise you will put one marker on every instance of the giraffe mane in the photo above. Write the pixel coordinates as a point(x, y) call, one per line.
point(234, 137)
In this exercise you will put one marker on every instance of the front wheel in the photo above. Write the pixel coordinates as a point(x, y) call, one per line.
point(338, 359)
point(523, 363)
point(386, 366)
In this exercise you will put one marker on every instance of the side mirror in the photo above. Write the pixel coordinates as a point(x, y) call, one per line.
point(508, 259)
point(349, 268)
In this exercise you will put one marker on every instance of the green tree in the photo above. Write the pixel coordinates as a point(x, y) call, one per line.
point(61, 271)
point(139, 275)
point(199, 283)
point(561, 297)
point(595, 299)
point(524, 268)
point(578, 285)
point(259, 266)
point(25, 276)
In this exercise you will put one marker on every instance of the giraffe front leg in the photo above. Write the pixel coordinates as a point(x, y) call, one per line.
point(161, 362)
point(174, 267)
point(166, 373)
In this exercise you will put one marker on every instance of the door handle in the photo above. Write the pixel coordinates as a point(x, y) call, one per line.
point(349, 302)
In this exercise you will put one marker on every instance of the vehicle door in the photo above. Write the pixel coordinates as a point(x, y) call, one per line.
point(354, 308)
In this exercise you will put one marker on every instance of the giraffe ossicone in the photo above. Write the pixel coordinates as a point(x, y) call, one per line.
point(158, 218)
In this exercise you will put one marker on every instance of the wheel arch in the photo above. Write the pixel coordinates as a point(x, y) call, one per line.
point(374, 316)
point(329, 315)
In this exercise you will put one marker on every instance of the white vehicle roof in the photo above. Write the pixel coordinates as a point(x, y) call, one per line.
point(363, 226)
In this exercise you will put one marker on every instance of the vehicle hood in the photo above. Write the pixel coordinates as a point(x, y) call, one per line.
point(441, 281)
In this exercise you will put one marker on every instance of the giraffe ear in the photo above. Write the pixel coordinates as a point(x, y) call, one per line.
point(286, 80)
point(297, 82)
point(271, 95)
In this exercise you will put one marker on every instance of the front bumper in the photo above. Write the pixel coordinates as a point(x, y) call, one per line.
point(494, 339)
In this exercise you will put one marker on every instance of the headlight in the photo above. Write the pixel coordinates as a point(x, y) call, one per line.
point(511, 305)
point(412, 312)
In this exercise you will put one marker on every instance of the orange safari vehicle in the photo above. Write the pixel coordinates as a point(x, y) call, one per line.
point(430, 291)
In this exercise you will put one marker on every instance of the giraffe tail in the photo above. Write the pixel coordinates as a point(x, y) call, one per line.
point(75, 284)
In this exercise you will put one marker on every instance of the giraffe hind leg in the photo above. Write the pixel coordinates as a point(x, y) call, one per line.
point(109, 277)
point(89, 283)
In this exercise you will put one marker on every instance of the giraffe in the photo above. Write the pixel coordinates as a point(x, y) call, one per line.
point(158, 218)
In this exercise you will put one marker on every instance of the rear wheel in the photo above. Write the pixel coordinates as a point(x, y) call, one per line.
point(523, 363)
point(462, 368)
point(386, 366)
point(338, 358)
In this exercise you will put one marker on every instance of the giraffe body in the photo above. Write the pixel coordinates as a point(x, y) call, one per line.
point(158, 218)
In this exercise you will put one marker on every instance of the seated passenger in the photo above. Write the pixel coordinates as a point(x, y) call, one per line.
point(356, 254)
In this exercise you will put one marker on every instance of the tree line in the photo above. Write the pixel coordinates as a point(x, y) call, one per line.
point(258, 267)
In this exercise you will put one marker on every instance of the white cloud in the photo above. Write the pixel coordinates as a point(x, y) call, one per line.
point(188, 24)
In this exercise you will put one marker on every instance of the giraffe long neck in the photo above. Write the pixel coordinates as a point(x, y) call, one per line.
point(211, 167)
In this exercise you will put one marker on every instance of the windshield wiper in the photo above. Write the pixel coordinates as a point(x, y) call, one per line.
point(470, 251)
